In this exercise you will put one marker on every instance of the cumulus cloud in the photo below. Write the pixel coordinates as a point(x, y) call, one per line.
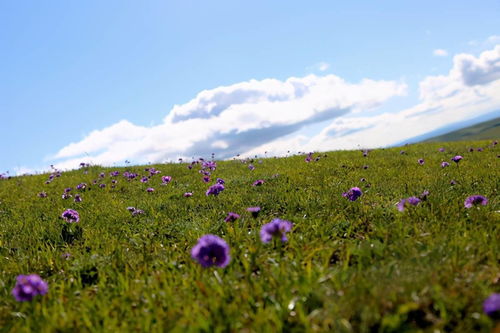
point(271, 115)
point(440, 53)
point(466, 92)
point(232, 119)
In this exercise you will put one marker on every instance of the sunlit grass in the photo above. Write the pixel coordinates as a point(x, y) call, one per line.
point(358, 266)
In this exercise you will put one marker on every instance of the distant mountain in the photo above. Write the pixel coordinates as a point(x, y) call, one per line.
point(482, 131)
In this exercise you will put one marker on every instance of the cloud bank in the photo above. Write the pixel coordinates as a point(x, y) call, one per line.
point(268, 115)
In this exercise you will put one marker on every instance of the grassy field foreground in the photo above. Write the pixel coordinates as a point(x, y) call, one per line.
point(348, 266)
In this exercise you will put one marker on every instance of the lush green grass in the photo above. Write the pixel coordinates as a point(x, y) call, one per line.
point(358, 266)
point(483, 131)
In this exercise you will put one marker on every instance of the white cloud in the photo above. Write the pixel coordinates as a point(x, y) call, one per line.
point(323, 66)
point(440, 53)
point(231, 119)
point(268, 115)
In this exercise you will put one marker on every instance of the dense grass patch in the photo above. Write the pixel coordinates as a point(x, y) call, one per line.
point(360, 266)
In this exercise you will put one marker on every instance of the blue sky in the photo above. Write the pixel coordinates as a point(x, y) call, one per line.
point(70, 69)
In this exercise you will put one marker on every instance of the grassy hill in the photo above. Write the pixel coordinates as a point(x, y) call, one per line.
point(348, 266)
point(488, 130)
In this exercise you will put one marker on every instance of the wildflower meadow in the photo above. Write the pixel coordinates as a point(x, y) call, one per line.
point(385, 240)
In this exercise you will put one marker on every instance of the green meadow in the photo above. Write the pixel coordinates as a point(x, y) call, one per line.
point(348, 266)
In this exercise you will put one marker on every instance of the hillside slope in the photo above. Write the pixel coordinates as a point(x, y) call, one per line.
point(488, 130)
point(131, 262)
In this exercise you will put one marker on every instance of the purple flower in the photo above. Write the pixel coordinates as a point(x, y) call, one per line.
point(453, 182)
point(275, 228)
point(479, 149)
point(29, 286)
point(424, 195)
point(353, 194)
point(150, 190)
point(66, 196)
point(211, 250)
point(209, 165)
point(78, 198)
point(220, 181)
point(457, 158)
point(445, 164)
point(206, 179)
point(166, 179)
point(71, 216)
point(144, 179)
point(102, 175)
point(408, 201)
point(231, 217)
point(471, 150)
point(402, 152)
point(114, 173)
point(251, 167)
point(215, 189)
point(187, 194)
point(441, 150)
point(421, 161)
point(474, 200)
point(254, 211)
point(491, 306)
point(67, 189)
point(42, 194)
point(258, 182)
point(135, 211)
point(102, 185)
point(81, 186)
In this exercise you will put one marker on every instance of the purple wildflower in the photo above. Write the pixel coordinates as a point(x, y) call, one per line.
point(211, 250)
point(67, 189)
point(353, 194)
point(258, 182)
point(231, 217)
point(81, 186)
point(42, 194)
point(78, 198)
point(421, 161)
point(445, 164)
point(150, 190)
point(215, 189)
point(251, 167)
point(220, 181)
point(29, 286)
point(71, 216)
point(457, 159)
point(187, 194)
point(275, 228)
point(206, 179)
point(254, 211)
point(102, 175)
point(453, 182)
point(166, 179)
point(471, 150)
point(408, 201)
point(102, 185)
point(491, 306)
point(474, 200)
point(114, 173)
point(424, 195)
point(479, 149)
point(131, 209)
point(144, 179)
point(441, 150)
point(114, 181)
point(402, 152)
point(66, 196)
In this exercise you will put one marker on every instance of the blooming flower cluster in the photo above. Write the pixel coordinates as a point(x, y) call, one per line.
point(29, 286)
point(353, 194)
point(71, 216)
